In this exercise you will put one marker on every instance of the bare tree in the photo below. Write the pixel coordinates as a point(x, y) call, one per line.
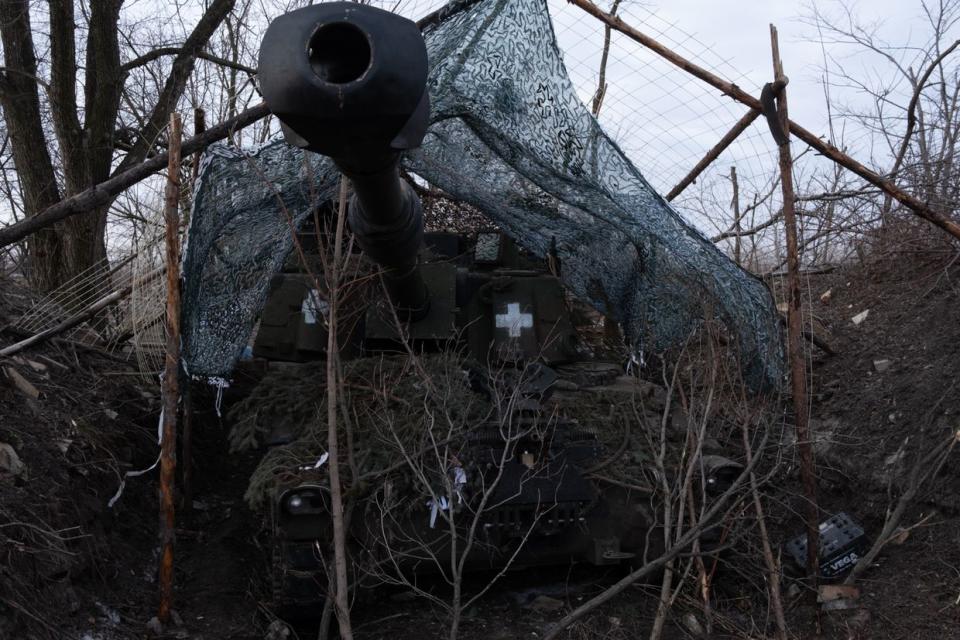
point(83, 145)
point(701, 390)
point(461, 501)
point(913, 121)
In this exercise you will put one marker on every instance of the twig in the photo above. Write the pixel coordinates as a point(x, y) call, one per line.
point(341, 595)
point(924, 469)
point(682, 543)
point(773, 570)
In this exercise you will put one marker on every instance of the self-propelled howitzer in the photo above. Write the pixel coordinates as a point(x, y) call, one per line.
point(349, 81)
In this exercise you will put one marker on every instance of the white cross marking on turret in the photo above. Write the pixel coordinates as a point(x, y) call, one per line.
point(514, 321)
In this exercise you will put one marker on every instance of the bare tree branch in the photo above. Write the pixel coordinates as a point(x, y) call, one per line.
point(171, 51)
point(103, 193)
point(177, 80)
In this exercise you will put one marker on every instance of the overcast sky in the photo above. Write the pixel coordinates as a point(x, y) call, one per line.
point(738, 30)
point(665, 120)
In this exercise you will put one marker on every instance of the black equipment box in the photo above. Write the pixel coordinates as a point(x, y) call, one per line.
point(842, 544)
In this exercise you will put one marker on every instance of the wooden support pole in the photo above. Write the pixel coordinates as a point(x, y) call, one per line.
point(106, 191)
point(169, 390)
point(714, 153)
point(920, 208)
point(798, 367)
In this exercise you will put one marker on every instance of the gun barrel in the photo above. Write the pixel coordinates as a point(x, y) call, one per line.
point(349, 81)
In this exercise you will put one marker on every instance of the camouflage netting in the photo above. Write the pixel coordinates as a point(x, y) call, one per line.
point(401, 406)
point(391, 401)
point(508, 135)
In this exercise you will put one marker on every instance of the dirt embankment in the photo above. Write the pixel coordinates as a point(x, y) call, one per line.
point(882, 408)
point(69, 429)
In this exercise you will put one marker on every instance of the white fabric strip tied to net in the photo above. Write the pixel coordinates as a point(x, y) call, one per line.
point(508, 135)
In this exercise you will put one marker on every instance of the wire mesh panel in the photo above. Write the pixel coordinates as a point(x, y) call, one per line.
point(145, 311)
point(663, 118)
point(133, 326)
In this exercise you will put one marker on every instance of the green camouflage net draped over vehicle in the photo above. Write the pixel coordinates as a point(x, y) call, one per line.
point(508, 135)
point(393, 398)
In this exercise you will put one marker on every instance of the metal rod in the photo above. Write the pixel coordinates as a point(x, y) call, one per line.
point(918, 207)
point(169, 388)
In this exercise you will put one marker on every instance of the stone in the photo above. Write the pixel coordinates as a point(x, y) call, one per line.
point(9, 460)
point(836, 597)
point(899, 536)
point(278, 630)
point(111, 616)
point(545, 604)
point(154, 626)
point(881, 366)
point(895, 458)
point(826, 296)
point(860, 317)
point(693, 625)
point(828, 592)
